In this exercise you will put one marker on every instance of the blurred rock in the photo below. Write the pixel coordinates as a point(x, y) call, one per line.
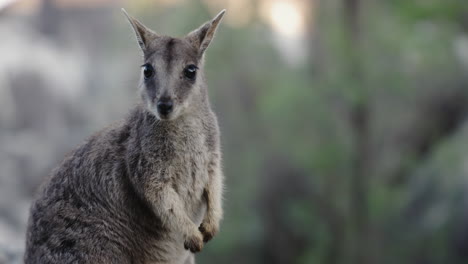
point(11, 245)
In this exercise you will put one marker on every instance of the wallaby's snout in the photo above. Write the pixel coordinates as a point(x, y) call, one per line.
point(165, 105)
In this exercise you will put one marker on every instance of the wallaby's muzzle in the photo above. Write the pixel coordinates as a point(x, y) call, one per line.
point(165, 107)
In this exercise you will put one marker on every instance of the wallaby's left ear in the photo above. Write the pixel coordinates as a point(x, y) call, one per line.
point(143, 34)
point(202, 36)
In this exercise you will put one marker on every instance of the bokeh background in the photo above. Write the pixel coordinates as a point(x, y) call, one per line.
point(344, 122)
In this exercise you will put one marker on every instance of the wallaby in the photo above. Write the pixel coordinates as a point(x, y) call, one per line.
point(147, 189)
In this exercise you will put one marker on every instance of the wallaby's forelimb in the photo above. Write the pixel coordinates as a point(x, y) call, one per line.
point(213, 193)
point(169, 207)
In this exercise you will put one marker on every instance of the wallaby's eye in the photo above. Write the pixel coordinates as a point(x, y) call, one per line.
point(148, 71)
point(190, 71)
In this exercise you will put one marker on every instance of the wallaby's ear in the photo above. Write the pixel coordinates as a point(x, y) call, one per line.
point(143, 34)
point(202, 36)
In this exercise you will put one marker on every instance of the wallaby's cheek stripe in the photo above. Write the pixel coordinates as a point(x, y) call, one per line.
point(151, 88)
point(183, 89)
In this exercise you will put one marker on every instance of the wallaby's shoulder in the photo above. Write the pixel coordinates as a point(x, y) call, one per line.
point(113, 139)
point(104, 146)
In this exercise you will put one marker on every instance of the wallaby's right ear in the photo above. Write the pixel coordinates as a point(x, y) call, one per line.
point(143, 34)
point(202, 36)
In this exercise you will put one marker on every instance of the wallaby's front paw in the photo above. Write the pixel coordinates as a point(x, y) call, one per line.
point(194, 243)
point(209, 230)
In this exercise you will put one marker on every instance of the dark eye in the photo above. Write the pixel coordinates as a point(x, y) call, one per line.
point(190, 72)
point(148, 71)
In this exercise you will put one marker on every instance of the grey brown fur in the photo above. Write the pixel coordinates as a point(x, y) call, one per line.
point(146, 189)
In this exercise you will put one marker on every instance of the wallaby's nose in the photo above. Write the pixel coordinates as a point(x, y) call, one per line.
point(165, 106)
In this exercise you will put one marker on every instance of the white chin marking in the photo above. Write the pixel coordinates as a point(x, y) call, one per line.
point(165, 118)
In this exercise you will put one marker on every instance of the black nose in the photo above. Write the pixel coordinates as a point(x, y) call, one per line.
point(165, 106)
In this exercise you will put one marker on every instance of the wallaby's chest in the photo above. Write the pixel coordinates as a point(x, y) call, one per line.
point(189, 164)
point(184, 160)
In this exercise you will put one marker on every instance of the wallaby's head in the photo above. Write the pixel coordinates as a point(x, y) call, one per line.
point(172, 73)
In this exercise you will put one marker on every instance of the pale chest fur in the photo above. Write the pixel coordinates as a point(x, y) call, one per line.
point(185, 159)
point(189, 171)
point(181, 159)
